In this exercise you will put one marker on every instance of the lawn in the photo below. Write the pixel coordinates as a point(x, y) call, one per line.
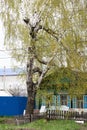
point(45, 125)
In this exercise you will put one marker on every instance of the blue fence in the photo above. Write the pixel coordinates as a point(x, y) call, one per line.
point(10, 106)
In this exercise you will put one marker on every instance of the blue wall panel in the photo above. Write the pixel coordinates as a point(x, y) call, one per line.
point(85, 101)
point(12, 105)
point(69, 101)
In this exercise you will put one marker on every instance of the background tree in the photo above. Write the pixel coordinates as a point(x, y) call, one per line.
point(54, 35)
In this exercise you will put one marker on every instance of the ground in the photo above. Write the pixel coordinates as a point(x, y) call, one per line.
point(11, 121)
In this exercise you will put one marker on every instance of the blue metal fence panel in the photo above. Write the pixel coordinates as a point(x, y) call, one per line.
point(10, 106)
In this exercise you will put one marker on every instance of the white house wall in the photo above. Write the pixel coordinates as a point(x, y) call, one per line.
point(8, 82)
point(1, 82)
point(11, 81)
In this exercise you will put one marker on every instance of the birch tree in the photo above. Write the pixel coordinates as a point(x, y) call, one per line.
point(50, 33)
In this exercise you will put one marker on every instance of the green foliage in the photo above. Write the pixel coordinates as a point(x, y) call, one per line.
point(66, 22)
point(58, 15)
point(65, 79)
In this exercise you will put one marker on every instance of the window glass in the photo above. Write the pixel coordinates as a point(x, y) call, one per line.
point(63, 99)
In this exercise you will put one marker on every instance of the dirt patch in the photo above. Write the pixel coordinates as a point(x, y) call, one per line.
point(6, 120)
point(12, 121)
point(9, 121)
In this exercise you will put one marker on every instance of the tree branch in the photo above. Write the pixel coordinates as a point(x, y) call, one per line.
point(51, 32)
point(37, 69)
point(46, 69)
point(58, 37)
point(34, 30)
point(42, 75)
point(40, 60)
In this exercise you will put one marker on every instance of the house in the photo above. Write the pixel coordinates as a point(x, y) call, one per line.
point(10, 81)
point(12, 92)
point(68, 88)
point(64, 99)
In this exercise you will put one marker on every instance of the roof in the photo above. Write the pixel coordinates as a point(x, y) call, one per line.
point(9, 71)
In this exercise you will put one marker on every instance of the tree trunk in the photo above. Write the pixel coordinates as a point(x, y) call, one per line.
point(30, 102)
point(30, 86)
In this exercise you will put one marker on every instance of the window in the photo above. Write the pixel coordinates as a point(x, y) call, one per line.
point(63, 99)
point(80, 102)
point(77, 102)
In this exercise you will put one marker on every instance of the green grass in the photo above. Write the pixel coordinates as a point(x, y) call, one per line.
point(45, 125)
point(54, 125)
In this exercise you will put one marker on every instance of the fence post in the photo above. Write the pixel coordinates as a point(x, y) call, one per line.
point(48, 114)
point(30, 117)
